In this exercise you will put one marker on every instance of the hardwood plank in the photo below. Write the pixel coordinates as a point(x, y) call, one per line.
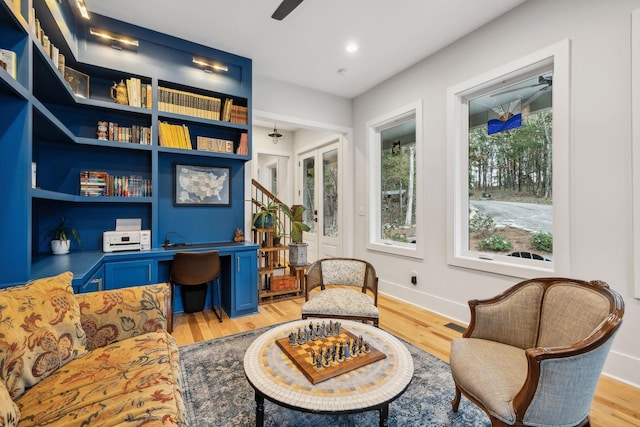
point(615, 403)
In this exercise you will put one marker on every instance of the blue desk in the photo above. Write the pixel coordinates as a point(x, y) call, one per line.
point(95, 270)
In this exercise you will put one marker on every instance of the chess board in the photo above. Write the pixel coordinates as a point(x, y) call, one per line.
point(300, 355)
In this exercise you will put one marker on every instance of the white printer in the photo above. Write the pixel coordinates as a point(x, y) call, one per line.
point(127, 237)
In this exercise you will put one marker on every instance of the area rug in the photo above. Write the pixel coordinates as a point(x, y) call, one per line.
point(217, 392)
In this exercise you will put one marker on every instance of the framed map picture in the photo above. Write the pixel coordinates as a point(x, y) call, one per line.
point(201, 185)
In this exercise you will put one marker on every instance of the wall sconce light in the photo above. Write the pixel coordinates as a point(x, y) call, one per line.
point(275, 135)
point(209, 67)
point(82, 7)
point(117, 41)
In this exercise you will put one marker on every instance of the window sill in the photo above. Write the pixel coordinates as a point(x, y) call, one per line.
point(396, 249)
point(504, 265)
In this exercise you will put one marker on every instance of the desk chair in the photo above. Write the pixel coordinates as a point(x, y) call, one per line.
point(197, 269)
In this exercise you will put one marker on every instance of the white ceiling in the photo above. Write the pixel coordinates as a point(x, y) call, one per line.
point(307, 48)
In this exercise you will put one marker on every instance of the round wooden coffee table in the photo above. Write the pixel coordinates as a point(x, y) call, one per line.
point(371, 387)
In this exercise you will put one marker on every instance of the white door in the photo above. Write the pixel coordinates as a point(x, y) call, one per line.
point(319, 192)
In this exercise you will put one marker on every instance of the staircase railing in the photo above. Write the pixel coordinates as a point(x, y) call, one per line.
point(260, 196)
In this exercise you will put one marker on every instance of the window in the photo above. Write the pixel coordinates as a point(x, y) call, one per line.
point(394, 192)
point(508, 145)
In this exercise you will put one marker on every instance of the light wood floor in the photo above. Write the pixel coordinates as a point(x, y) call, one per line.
point(615, 404)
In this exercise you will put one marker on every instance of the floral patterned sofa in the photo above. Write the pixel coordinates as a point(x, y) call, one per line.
point(96, 359)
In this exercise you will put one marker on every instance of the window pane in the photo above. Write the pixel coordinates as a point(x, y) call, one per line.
point(510, 170)
point(308, 192)
point(398, 182)
point(330, 186)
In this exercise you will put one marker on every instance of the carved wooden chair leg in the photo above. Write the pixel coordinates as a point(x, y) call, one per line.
point(456, 400)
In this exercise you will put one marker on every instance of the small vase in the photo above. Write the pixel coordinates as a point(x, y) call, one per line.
point(60, 247)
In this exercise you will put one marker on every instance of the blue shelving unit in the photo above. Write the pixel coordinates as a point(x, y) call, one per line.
point(44, 122)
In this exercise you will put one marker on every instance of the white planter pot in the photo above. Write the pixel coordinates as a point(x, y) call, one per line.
point(298, 254)
point(60, 247)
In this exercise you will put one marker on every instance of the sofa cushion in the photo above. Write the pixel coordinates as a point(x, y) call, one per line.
point(489, 369)
point(40, 331)
point(135, 382)
point(110, 316)
point(341, 302)
point(9, 412)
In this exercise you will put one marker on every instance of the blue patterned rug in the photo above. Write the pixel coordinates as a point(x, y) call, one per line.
point(217, 393)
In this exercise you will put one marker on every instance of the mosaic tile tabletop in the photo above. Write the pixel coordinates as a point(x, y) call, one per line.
point(271, 372)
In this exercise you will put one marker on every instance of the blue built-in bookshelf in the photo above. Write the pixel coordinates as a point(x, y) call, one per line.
point(50, 116)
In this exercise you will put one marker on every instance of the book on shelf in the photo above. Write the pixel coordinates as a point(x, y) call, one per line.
point(135, 134)
point(243, 146)
point(138, 93)
point(174, 136)
point(188, 104)
point(100, 183)
point(9, 61)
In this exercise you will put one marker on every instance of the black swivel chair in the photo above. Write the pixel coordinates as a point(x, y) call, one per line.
point(193, 271)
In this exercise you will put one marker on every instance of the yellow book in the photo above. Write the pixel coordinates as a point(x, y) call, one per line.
point(187, 137)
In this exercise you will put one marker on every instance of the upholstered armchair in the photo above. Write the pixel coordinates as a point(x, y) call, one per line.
point(532, 356)
point(337, 288)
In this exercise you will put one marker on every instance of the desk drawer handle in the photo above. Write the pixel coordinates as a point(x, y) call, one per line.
point(237, 263)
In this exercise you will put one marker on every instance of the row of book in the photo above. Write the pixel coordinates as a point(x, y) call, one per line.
point(51, 50)
point(203, 106)
point(99, 183)
point(189, 104)
point(135, 134)
point(234, 113)
point(138, 93)
point(174, 136)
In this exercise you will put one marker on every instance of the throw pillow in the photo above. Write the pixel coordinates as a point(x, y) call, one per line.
point(40, 331)
point(9, 412)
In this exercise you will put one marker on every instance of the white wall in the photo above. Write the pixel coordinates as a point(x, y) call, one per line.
point(302, 104)
point(600, 169)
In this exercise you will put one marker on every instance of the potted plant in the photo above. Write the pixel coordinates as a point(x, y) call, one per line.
point(60, 235)
point(265, 214)
point(297, 248)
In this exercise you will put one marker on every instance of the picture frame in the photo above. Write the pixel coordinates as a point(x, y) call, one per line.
point(77, 81)
point(196, 185)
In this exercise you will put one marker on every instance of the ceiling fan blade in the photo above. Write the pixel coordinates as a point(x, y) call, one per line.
point(285, 8)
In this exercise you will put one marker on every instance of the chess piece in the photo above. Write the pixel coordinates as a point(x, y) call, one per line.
point(347, 350)
point(292, 339)
point(327, 355)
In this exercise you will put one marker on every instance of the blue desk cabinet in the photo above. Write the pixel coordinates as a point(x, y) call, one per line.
point(122, 274)
point(93, 284)
point(244, 300)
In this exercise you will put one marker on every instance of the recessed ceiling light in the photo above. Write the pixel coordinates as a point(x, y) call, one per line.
point(351, 47)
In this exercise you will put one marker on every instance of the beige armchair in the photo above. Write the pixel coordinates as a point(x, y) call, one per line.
point(342, 290)
point(532, 356)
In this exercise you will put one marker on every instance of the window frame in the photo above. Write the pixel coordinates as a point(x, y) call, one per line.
point(458, 253)
point(374, 127)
